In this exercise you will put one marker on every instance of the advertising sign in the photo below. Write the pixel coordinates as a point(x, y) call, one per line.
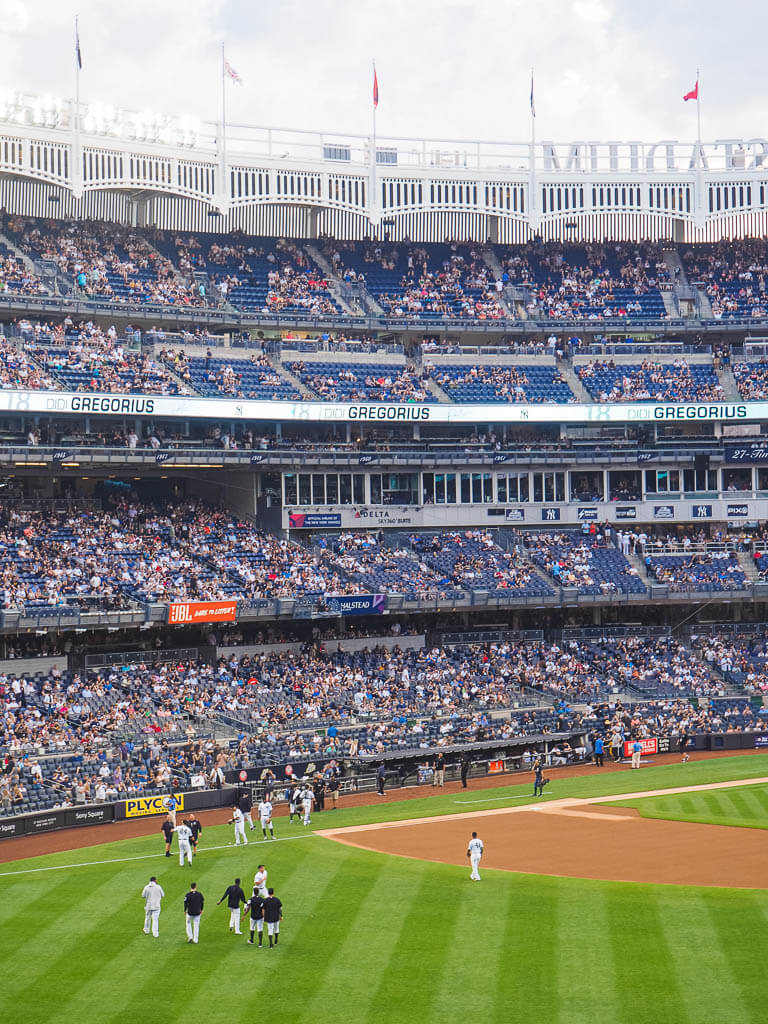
point(189, 612)
point(357, 604)
point(649, 744)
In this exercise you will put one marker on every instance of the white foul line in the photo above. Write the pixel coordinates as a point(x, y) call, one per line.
point(152, 856)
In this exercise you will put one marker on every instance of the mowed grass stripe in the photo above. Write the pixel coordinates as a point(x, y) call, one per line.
point(24, 902)
point(645, 983)
point(746, 808)
point(478, 935)
point(376, 898)
point(55, 938)
point(526, 972)
point(739, 932)
point(701, 964)
point(586, 974)
point(408, 981)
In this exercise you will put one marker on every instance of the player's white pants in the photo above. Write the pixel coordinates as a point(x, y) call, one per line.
point(475, 862)
point(307, 809)
point(234, 919)
point(266, 823)
point(193, 927)
point(240, 833)
point(248, 818)
point(184, 849)
point(257, 925)
point(636, 758)
point(273, 927)
point(151, 917)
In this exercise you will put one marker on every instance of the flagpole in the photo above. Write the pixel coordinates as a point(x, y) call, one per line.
point(532, 198)
point(76, 149)
point(698, 112)
point(223, 141)
point(374, 203)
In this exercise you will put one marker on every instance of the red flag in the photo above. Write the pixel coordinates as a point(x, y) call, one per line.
point(375, 88)
point(694, 93)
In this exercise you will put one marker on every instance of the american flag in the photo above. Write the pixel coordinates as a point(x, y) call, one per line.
point(230, 72)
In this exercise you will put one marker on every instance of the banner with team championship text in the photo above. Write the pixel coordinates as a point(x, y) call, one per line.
point(190, 612)
point(144, 806)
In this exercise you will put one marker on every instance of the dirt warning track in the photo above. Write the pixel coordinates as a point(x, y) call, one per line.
point(582, 839)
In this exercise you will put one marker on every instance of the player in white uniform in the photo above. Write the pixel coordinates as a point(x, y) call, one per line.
point(307, 799)
point(238, 820)
point(152, 893)
point(184, 835)
point(475, 852)
point(265, 817)
point(260, 881)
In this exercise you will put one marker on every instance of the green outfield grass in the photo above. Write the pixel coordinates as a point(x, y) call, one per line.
point(746, 807)
point(382, 940)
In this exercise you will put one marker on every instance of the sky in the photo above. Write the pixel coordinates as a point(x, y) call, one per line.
point(604, 69)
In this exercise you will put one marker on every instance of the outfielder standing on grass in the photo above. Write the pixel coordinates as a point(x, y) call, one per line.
point(245, 807)
point(152, 894)
point(294, 798)
point(184, 835)
point(255, 906)
point(273, 915)
point(238, 821)
point(475, 853)
point(193, 909)
point(260, 881)
point(234, 896)
point(265, 817)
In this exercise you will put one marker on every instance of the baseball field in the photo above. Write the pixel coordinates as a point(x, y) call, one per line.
point(597, 902)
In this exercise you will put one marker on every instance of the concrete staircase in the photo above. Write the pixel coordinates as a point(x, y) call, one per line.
point(336, 287)
point(438, 392)
point(747, 565)
point(728, 384)
point(505, 297)
point(575, 384)
point(47, 272)
point(283, 370)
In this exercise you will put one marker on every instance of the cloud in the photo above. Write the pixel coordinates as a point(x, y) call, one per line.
point(448, 69)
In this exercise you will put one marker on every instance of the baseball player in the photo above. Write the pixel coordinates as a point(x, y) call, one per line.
point(273, 915)
point(260, 881)
point(307, 799)
point(475, 853)
point(167, 829)
point(234, 896)
point(265, 817)
point(255, 907)
point(539, 782)
point(193, 909)
point(184, 835)
point(152, 894)
point(293, 801)
point(245, 807)
point(238, 821)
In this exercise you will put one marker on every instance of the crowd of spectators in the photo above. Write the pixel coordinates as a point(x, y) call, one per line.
point(350, 382)
point(592, 282)
point(107, 261)
point(733, 275)
point(691, 573)
point(752, 380)
point(650, 381)
point(143, 727)
point(16, 277)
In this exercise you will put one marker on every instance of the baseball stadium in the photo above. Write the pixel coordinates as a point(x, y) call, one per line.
point(379, 515)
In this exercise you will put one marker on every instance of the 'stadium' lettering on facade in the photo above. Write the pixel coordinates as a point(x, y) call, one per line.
point(389, 412)
point(701, 412)
point(94, 403)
